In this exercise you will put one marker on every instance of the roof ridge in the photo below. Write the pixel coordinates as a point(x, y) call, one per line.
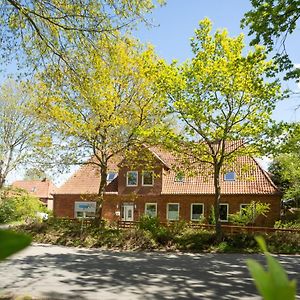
point(158, 157)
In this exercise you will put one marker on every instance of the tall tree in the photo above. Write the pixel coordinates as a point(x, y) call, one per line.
point(48, 29)
point(18, 129)
point(285, 166)
point(223, 102)
point(109, 105)
point(271, 21)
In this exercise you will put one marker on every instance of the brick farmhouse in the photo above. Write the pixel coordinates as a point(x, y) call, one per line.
point(159, 189)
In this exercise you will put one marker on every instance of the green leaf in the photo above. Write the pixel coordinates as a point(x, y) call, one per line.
point(273, 283)
point(11, 242)
point(262, 244)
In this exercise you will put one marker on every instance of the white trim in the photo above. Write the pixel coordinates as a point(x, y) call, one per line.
point(242, 208)
point(111, 172)
point(191, 214)
point(123, 211)
point(143, 178)
point(168, 211)
point(243, 204)
point(91, 209)
point(137, 178)
point(227, 212)
point(151, 203)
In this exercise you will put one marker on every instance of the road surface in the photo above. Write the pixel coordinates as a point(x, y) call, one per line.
point(55, 272)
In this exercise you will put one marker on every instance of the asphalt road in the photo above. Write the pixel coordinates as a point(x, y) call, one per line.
point(53, 272)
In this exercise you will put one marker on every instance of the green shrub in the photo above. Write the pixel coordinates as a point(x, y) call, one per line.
point(151, 224)
point(287, 225)
point(177, 227)
point(250, 213)
point(195, 240)
point(18, 205)
point(212, 216)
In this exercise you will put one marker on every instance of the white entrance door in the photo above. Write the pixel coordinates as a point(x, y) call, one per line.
point(127, 212)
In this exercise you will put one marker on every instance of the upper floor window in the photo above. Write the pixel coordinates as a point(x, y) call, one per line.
point(179, 177)
point(132, 178)
point(148, 178)
point(111, 176)
point(229, 176)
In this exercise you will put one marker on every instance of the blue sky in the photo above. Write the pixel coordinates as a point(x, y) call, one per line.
point(175, 24)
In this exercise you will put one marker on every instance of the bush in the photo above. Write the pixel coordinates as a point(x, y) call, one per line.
point(18, 205)
point(250, 213)
point(287, 224)
point(148, 223)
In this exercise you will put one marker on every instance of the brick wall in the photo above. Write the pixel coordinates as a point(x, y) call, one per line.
point(64, 205)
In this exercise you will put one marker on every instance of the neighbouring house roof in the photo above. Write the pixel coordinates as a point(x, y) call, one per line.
point(39, 188)
point(250, 180)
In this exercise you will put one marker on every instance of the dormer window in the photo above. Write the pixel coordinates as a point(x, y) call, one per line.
point(111, 176)
point(179, 177)
point(132, 178)
point(229, 176)
point(148, 178)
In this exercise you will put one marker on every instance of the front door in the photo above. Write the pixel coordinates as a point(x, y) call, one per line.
point(127, 212)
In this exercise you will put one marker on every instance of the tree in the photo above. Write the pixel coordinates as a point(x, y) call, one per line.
point(109, 105)
point(285, 170)
point(48, 30)
point(223, 102)
point(35, 174)
point(18, 129)
point(285, 166)
point(18, 205)
point(271, 21)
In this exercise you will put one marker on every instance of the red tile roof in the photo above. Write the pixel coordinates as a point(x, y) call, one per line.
point(87, 180)
point(253, 180)
point(39, 188)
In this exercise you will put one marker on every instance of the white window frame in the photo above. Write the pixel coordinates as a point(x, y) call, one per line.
point(143, 178)
point(112, 172)
point(150, 203)
point(84, 211)
point(168, 211)
point(176, 179)
point(137, 178)
point(192, 211)
point(234, 177)
point(242, 207)
point(227, 212)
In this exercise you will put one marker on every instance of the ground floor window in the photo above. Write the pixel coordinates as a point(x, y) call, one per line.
point(224, 212)
point(151, 209)
point(243, 208)
point(197, 210)
point(173, 211)
point(85, 209)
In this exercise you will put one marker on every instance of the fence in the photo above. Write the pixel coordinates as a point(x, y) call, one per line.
point(226, 228)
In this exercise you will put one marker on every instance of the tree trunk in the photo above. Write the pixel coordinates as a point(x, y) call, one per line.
point(100, 196)
point(217, 203)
